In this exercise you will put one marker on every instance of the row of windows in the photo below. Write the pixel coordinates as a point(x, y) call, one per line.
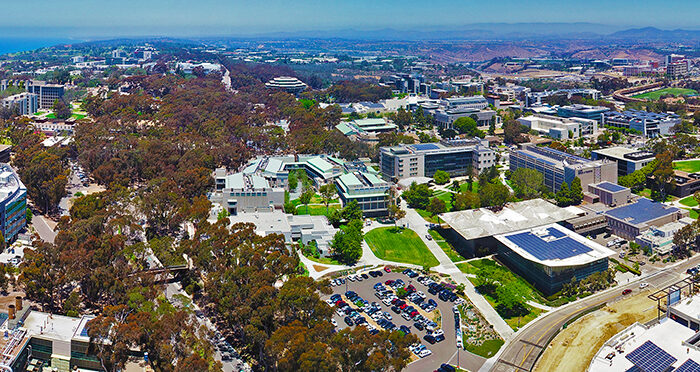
point(249, 193)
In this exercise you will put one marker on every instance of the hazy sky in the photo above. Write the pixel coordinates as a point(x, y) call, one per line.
point(211, 17)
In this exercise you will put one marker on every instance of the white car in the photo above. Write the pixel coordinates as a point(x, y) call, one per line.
point(387, 315)
point(340, 312)
point(330, 302)
point(351, 278)
point(335, 324)
point(439, 332)
point(387, 301)
point(424, 353)
point(643, 285)
point(420, 294)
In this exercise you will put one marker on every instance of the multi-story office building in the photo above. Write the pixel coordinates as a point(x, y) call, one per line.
point(583, 111)
point(677, 70)
point(13, 203)
point(445, 118)
point(560, 128)
point(369, 191)
point(608, 193)
point(558, 167)
point(456, 157)
point(649, 124)
point(469, 102)
point(48, 93)
point(26, 103)
point(628, 160)
point(240, 192)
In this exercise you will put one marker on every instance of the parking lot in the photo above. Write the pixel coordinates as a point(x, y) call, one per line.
point(444, 351)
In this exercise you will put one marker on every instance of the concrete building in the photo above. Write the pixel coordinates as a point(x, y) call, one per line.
point(320, 169)
point(468, 102)
point(26, 103)
point(286, 83)
point(630, 220)
point(369, 191)
point(610, 194)
point(13, 203)
point(240, 192)
point(686, 183)
point(558, 167)
point(47, 93)
point(483, 118)
point(456, 157)
point(510, 91)
point(583, 111)
point(628, 160)
point(366, 128)
point(678, 70)
point(560, 128)
point(551, 256)
point(659, 239)
point(649, 124)
point(535, 98)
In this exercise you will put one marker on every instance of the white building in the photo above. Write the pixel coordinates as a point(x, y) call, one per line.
point(560, 128)
point(26, 103)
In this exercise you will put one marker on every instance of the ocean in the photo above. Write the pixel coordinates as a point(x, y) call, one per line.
point(13, 45)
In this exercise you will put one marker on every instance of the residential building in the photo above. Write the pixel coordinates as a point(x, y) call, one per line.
point(677, 66)
point(609, 193)
point(649, 124)
point(483, 118)
point(560, 128)
point(456, 157)
point(558, 167)
point(13, 203)
point(369, 191)
point(240, 192)
point(686, 184)
point(26, 103)
point(47, 93)
point(583, 111)
point(286, 83)
point(551, 256)
point(628, 159)
point(659, 239)
point(630, 220)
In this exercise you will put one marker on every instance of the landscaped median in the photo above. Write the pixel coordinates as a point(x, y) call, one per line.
point(400, 245)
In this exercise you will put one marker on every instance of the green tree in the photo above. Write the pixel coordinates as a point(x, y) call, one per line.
point(305, 198)
point(492, 126)
point(352, 211)
point(441, 177)
point(292, 180)
point(328, 192)
point(417, 196)
point(563, 196)
point(494, 195)
point(468, 126)
point(466, 200)
point(527, 183)
point(347, 243)
point(61, 109)
point(663, 174)
point(576, 192)
point(436, 206)
point(395, 212)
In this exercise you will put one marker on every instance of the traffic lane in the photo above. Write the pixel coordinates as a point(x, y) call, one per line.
point(443, 351)
point(45, 232)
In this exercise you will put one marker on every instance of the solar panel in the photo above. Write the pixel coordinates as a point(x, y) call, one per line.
point(84, 332)
point(561, 248)
point(688, 366)
point(651, 358)
point(642, 211)
point(610, 186)
point(425, 146)
point(555, 233)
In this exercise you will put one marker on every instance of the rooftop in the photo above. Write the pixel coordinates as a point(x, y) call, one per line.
point(479, 223)
point(644, 210)
point(609, 186)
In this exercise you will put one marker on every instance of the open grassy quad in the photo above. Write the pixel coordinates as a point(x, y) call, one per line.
point(689, 201)
point(445, 196)
point(656, 94)
point(690, 166)
point(316, 210)
point(400, 245)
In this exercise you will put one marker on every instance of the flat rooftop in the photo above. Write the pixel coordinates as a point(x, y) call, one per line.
point(609, 186)
point(482, 222)
point(554, 245)
point(644, 210)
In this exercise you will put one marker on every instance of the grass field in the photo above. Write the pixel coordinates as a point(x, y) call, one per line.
point(316, 210)
point(445, 246)
point(646, 192)
point(487, 349)
point(445, 196)
point(689, 166)
point(656, 94)
point(465, 187)
point(689, 201)
point(400, 245)
point(693, 213)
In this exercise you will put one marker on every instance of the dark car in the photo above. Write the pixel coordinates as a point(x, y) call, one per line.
point(389, 282)
point(335, 297)
point(429, 338)
point(447, 368)
point(405, 272)
point(412, 274)
point(372, 274)
point(349, 321)
point(373, 332)
point(419, 326)
point(439, 338)
point(395, 309)
point(379, 273)
point(364, 276)
point(405, 329)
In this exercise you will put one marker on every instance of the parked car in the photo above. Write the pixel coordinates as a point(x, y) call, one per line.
point(626, 292)
point(387, 269)
point(643, 285)
point(349, 321)
point(419, 326)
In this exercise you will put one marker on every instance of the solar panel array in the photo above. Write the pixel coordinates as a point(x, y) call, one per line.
point(651, 358)
point(561, 247)
point(642, 211)
point(84, 332)
point(555, 233)
point(689, 366)
point(610, 186)
point(425, 146)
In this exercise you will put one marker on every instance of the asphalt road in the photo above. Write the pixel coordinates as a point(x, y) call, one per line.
point(45, 232)
point(521, 353)
point(443, 352)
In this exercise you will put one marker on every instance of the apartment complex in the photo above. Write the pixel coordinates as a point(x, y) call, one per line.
point(558, 167)
point(560, 128)
point(26, 103)
point(628, 160)
point(369, 191)
point(649, 124)
point(456, 157)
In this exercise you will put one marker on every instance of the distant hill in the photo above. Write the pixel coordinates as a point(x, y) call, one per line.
point(653, 33)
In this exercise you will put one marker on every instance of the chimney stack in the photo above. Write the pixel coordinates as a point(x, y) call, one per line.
point(18, 303)
point(11, 311)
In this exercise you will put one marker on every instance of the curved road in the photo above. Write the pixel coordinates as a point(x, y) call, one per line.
point(522, 351)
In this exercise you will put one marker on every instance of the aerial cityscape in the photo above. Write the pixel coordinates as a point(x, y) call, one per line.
point(350, 186)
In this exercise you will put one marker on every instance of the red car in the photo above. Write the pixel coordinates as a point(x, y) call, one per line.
point(387, 269)
point(413, 314)
point(626, 292)
point(389, 282)
point(403, 306)
point(410, 288)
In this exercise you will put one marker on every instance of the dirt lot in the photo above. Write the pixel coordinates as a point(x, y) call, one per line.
point(574, 348)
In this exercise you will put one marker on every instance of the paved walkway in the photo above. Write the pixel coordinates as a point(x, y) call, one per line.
point(419, 225)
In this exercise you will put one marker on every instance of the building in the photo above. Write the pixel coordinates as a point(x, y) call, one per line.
point(240, 192)
point(468, 102)
point(369, 191)
point(551, 256)
point(510, 92)
point(560, 128)
point(686, 183)
point(659, 240)
point(483, 118)
point(456, 157)
point(366, 128)
point(535, 98)
point(26, 103)
point(649, 124)
point(630, 220)
point(47, 93)
point(286, 83)
point(628, 160)
point(320, 169)
point(583, 111)
point(13, 203)
point(559, 167)
point(677, 69)
point(610, 194)
point(5, 153)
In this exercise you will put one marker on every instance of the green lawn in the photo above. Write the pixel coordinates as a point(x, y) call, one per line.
point(445, 246)
point(427, 216)
point(693, 213)
point(324, 260)
point(467, 268)
point(646, 192)
point(316, 210)
point(690, 166)
point(487, 349)
point(464, 187)
point(445, 196)
point(656, 94)
point(689, 201)
point(400, 245)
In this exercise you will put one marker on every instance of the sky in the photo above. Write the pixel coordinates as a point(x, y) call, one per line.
point(99, 18)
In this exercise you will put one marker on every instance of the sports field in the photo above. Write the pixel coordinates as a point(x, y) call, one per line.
point(690, 166)
point(656, 94)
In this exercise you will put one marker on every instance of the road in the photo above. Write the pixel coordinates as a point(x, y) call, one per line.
point(443, 352)
point(522, 351)
point(42, 228)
